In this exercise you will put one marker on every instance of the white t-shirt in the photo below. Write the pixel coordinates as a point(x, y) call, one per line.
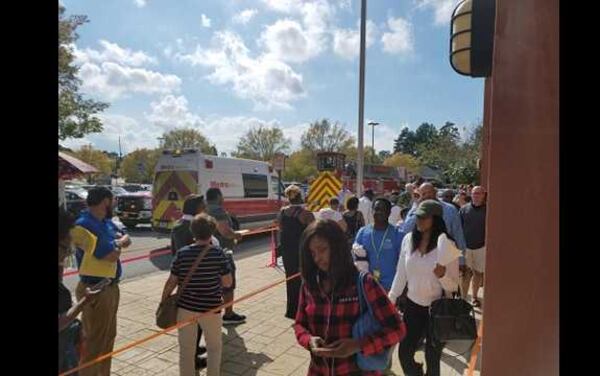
point(328, 213)
point(365, 206)
point(416, 270)
point(394, 215)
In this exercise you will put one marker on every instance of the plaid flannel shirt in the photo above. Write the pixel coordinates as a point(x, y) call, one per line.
point(332, 318)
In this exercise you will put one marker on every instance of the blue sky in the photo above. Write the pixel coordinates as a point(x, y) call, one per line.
point(224, 67)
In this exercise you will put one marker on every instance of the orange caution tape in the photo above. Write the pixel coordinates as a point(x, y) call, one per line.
point(176, 326)
point(475, 352)
point(261, 230)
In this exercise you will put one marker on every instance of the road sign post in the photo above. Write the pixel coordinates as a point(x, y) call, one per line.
point(278, 165)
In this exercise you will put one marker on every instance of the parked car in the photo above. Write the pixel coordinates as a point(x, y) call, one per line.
point(134, 208)
point(118, 191)
point(75, 201)
point(132, 188)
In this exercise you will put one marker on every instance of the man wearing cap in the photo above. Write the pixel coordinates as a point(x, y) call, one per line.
point(472, 217)
point(365, 206)
point(98, 242)
point(451, 218)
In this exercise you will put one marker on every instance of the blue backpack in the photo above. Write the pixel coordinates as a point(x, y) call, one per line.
point(366, 325)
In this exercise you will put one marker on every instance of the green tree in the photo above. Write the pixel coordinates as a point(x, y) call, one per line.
point(425, 134)
point(322, 135)
point(351, 153)
point(262, 144)
point(138, 166)
point(96, 158)
point(76, 115)
point(383, 154)
point(300, 166)
point(407, 161)
point(187, 138)
point(406, 143)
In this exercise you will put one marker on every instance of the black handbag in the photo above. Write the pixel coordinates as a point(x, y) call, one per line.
point(452, 319)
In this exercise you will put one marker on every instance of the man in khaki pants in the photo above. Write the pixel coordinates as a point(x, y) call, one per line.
point(99, 242)
point(472, 217)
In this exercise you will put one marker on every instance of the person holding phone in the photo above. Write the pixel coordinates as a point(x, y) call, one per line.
point(329, 305)
point(98, 243)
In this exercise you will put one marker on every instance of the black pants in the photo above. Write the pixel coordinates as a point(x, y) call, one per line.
point(416, 318)
point(291, 264)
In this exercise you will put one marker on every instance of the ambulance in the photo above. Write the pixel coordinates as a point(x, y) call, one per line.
point(250, 188)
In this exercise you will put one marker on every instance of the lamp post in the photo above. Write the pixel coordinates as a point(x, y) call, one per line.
point(361, 100)
point(373, 124)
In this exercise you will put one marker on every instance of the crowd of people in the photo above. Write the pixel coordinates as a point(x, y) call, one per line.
point(402, 252)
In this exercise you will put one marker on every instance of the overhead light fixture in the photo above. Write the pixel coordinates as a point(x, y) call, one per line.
point(472, 37)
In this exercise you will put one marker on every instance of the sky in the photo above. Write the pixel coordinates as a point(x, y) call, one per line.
point(226, 66)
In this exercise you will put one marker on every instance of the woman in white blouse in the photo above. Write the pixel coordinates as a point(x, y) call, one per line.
point(428, 264)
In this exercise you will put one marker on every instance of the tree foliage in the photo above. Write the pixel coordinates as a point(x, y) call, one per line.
point(407, 161)
point(300, 166)
point(323, 135)
point(138, 166)
point(96, 158)
point(76, 115)
point(262, 144)
point(443, 149)
point(187, 138)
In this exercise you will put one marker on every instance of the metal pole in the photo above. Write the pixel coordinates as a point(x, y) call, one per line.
point(373, 124)
point(279, 187)
point(361, 100)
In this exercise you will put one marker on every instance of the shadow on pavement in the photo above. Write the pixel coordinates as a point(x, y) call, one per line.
point(231, 340)
point(162, 262)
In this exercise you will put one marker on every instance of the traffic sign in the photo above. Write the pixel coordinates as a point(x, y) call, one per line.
point(278, 161)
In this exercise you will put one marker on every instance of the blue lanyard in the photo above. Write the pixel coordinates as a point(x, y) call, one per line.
point(378, 250)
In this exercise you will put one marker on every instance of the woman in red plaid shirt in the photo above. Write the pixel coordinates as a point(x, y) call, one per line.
point(329, 305)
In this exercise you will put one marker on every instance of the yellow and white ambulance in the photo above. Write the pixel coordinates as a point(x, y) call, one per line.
point(249, 187)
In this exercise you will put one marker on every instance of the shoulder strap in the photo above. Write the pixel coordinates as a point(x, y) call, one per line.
point(193, 268)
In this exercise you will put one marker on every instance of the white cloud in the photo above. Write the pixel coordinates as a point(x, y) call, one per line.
point(316, 16)
point(400, 38)
point(114, 72)
point(172, 112)
point(244, 16)
point(265, 80)
point(287, 40)
point(205, 21)
point(134, 135)
point(114, 53)
point(140, 3)
point(282, 5)
point(442, 9)
point(346, 42)
point(224, 131)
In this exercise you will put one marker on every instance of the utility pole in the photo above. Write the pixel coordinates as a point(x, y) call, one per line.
point(361, 100)
point(373, 124)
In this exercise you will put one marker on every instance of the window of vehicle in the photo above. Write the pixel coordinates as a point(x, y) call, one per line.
point(255, 185)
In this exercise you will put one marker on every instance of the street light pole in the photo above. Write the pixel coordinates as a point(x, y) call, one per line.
point(361, 100)
point(373, 124)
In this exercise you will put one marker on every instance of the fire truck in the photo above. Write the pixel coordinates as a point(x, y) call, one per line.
point(335, 175)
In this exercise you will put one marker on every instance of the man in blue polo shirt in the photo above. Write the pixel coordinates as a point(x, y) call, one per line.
point(377, 246)
point(98, 244)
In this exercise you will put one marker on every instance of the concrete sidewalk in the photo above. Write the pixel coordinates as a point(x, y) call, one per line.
point(264, 345)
